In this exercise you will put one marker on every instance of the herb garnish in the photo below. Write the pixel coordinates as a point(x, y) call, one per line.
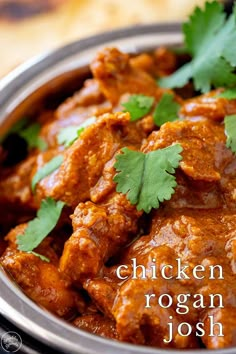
point(43, 258)
point(230, 131)
point(138, 106)
point(29, 133)
point(46, 170)
point(38, 228)
point(211, 41)
point(229, 94)
point(166, 110)
point(31, 136)
point(68, 135)
point(147, 179)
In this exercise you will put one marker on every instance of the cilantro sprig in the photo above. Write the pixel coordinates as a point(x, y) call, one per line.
point(230, 131)
point(166, 110)
point(147, 179)
point(30, 133)
point(229, 94)
point(138, 106)
point(46, 170)
point(38, 228)
point(211, 41)
point(68, 135)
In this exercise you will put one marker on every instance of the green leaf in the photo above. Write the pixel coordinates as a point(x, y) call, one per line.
point(30, 134)
point(38, 228)
point(166, 110)
point(68, 135)
point(46, 170)
point(178, 79)
point(202, 26)
point(16, 128)
point(211, 40)
point(138, 106)
point(229, 94)
point(230, 131)
point(43, 258)
point(147, 179)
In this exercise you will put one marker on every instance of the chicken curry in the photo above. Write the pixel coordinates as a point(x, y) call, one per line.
point(127, 171)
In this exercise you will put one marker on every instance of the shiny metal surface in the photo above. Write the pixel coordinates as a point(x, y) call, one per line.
point(14, 91)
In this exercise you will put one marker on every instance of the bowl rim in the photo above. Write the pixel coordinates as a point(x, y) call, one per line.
point(16, 306)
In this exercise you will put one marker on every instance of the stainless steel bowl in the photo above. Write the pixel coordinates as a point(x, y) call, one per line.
point(19, 92)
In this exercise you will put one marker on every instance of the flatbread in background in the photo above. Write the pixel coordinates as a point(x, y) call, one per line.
point(31, 27)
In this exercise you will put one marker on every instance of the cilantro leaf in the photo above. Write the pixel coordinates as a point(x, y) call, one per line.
point(30, 134)
point(15, 129)
point(166, 110)
point(211, 40)
point(38, 228)
point(138, 106)
point(18, 126)
point(68, 135)
point(230, 131)
point(229, 94)
point(46, 170)
point(43, 258)
point(202, 26)
point(147, 179)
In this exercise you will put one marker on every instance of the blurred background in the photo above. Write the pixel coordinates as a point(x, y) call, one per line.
point(31, 27)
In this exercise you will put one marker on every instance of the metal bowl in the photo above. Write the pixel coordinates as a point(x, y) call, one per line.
point(25, 88)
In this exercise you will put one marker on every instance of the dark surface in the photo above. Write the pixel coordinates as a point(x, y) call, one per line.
point(29, 345)
point(228, 5)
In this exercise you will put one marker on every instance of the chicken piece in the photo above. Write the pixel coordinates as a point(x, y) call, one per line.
point(165, 61)
point(97, 324)
point(193, 233)
point(105, 185)
point(124, 302)
point(89, 95)
point(85, 159)
point(228, 182)
point(45, 248)
point(40, 280)
point(15, 185)
point(200, 142)
point(149, 326)
point(195, 194)
point(209, 106)
point(99, 231)
point(116, 76)
point(206, 177)
point(227, 318)
point(145, 62)
point(73, 117)
point(87, 102)
point(103, 291)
